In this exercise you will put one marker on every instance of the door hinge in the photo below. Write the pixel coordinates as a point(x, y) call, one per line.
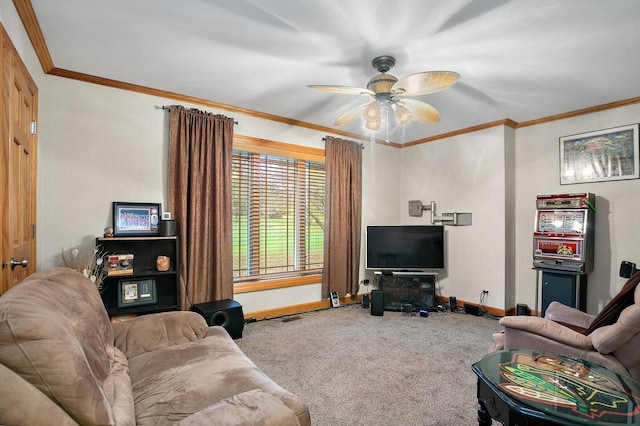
point(33, 231)
point(33, 127)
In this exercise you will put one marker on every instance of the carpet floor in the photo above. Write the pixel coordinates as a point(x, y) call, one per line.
point(352, 368)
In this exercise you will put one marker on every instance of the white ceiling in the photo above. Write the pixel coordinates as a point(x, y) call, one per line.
point(518, 59)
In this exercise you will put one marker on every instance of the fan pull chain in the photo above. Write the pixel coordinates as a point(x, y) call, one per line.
point(387, 139)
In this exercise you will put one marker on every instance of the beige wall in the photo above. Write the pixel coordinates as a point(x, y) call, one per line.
point(496, 174)
point(465, 173)
point(98, 145)
point(617, 229)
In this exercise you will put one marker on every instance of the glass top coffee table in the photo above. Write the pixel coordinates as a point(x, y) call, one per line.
point(526, 387)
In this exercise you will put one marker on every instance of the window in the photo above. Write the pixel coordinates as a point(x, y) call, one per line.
point(278, 215)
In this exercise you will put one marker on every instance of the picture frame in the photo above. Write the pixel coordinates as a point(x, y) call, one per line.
point(137, 292)
point(599, 156)
point(135, 219)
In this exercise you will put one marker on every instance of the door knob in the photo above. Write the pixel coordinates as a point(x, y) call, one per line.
point(24, 263)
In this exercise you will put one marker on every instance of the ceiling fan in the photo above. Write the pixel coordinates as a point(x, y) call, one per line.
point(386, 90)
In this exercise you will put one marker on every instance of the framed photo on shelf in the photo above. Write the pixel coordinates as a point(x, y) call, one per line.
point(602, 155)
point(136, 292)
point(135, 219)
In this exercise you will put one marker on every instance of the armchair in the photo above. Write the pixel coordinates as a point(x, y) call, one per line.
point(611, 339)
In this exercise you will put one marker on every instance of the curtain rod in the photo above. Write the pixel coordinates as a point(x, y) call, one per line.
point(168, 108)
point(361, 144)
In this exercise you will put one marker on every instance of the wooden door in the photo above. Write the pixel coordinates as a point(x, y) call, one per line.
point(18, 177)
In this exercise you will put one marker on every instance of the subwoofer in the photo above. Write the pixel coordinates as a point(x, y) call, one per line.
point(226, 313)
point(377, 303)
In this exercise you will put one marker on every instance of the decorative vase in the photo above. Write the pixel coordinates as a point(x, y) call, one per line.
point(163, 263)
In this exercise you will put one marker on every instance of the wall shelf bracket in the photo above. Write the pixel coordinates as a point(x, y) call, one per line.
point(455, 219)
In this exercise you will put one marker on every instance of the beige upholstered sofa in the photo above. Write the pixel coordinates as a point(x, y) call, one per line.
point(62, 362)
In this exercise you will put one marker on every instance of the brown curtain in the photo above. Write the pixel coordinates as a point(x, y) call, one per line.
point(199, 197)
point(343, 216)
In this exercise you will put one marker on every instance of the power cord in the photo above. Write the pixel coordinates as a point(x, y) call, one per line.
point(481, 306)
point(483, 296)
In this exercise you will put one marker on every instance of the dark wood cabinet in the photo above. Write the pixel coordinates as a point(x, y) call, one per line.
point(146, 290)
point(568, 289)
point(414, 288)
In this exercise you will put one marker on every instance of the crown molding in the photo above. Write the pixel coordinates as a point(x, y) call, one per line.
point(30, 23)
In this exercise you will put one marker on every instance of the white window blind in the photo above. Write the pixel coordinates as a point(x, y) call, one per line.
point(278, 216)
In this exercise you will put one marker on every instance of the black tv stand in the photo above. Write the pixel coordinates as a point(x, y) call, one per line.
point(400, 288)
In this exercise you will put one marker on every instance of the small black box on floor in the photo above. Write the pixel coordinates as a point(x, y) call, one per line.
point(377, 303)
point(226, 313)
point(471, 309)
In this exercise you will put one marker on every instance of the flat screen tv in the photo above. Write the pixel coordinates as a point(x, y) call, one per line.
point(408, 247)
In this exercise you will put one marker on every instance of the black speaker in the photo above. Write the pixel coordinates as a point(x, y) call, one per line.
point(365, 301)
point(627, 269)
point(167, 228)
point(377, 303)
point(522, 309)
point(226, 313)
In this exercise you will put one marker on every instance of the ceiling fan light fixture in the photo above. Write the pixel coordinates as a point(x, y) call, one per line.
point(373, 125)
point(402, 114)
point(388, 91)
point(371, 112)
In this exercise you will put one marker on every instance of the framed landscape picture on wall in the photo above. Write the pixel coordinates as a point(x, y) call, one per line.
point(135, 219)
point(602, 155)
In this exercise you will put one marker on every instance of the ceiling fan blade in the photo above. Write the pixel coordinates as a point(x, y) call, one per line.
point(347, 90)
point(349, 116)
point(422, 111)
point(423, 83)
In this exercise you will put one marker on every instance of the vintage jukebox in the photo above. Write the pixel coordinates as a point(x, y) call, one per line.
point(563, 246)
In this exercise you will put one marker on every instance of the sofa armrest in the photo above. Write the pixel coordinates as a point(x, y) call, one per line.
point(249, 408)
point(148, 333)
point(547, 329)
point(21, 403)
point(568, 315)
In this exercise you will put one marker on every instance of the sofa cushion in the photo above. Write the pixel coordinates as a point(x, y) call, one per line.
point(55, 333)
point(609, 314)
point(249, 408)
point(173, 382)
point(148, 333)
point(610, 338)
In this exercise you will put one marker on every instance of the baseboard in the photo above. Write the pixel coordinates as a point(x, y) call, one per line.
point(488, 309)
point(324, 304)
point(298, 309)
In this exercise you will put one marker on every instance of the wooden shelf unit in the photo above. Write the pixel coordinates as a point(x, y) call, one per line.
point(145, 252)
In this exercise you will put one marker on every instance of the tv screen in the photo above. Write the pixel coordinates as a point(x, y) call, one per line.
point(405, 247)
